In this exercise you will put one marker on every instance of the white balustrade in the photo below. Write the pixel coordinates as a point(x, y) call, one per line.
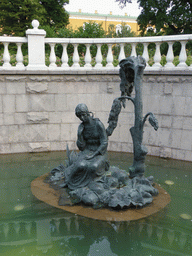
point(170, 57)
point(182, 56)
point(64, 58)
point(88, 56)
point(52, 57)
point(36, 51)
point(122, 52)
point(98, 57)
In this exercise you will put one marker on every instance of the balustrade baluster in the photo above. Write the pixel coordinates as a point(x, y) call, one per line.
point(88, 57)
point(122, 52)
point(133, 51)
point(17, 227)
point(157, 57)
point(6, 229)
point(98, 57)
point(182, 56)
point(75, 57)
point(52, 56)
point(159, 232)
point(6, 56)
point(28, 226)
point(68, 223)
point(146, 54)
point(170, 57)
point(64, 57)
point(19, 57)
point(109, 57)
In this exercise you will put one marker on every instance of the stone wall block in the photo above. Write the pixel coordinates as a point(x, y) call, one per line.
point(54, 132)
point(39, 147)
point(72, 101)
point(127, 147)
point(151, 79)
point(60, 102)
point(178, 122)
point(19, 147)
point(41, 102)
point(57, 78)
point(165, 138)
point(114, 146)
point(68, 117)
point(37, 117)
point(1, 119)
point(16, 78)
point(3, 88)
point(66, 87)
point(73, 132)
point(186, 90)
point(165, 152)
point(173, 79)
point(156, 89)
point(37, 87)
point(20, 118)
point(36, 78)
point(188, 107)
point(175, 135)
point(161, 79)
point(178, 106)
point(165, 121)
point(186, 140)
point(38, 132)
point(92, 88)
point(165, 105)
point(9, 118)
point(8, 103)
point(15, 88)
point(5, 148)
point(4, 134)
point(187, 123)
point(66, 132)
point(22, 103)
point(168, 88)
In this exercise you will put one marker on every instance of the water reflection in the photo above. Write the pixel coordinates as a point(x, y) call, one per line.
point(30, 227)
point(74, 235)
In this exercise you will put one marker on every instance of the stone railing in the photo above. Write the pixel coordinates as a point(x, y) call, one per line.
point(36, 51)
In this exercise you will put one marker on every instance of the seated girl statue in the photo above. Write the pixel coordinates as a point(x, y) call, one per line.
point(92, 142)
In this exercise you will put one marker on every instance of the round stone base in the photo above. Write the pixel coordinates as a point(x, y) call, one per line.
point(45, 193)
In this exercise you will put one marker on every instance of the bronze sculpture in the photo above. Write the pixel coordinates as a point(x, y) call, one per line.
point(87, 178)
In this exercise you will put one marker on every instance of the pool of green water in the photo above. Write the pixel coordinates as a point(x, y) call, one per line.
point(31, 227)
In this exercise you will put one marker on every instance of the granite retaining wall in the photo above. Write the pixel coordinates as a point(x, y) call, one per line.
point(37, 112)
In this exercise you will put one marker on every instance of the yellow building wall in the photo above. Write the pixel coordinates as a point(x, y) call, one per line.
point(76, 21)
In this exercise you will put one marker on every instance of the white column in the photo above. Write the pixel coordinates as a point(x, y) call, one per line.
point(88, 57)
point(64, 57)
point(19, 57)
point(98, 57)
point(182, 56)
point(170, 57)
point(122, 52)
point(6, 57)
point(109, 57)
point(52, 57)
point(133, 51)
point(75, 57)
point(36, 47)
point(146, 54)
point(157, 57)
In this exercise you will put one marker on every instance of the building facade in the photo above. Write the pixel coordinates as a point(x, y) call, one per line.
point(77, 19)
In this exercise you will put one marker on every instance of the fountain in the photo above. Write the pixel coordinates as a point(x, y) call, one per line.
point(87, 182)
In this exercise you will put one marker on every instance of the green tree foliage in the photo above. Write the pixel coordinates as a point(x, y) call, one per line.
point(169, 16)
point(16, 16)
